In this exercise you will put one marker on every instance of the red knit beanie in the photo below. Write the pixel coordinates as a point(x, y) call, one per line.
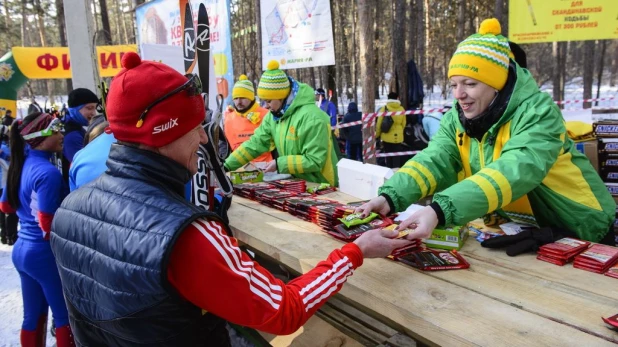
point(137, 86)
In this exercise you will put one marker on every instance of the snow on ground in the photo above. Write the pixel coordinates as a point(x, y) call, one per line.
point(11, 309)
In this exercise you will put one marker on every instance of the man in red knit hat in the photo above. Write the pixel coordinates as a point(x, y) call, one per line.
point(140, 265)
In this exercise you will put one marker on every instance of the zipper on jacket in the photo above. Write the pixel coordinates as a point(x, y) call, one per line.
point(481, 156)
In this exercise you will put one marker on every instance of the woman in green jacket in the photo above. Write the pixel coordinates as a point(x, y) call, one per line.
point(502, 148)
point(300, 130)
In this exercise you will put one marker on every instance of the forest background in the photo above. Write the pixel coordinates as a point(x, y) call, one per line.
point(374, 40)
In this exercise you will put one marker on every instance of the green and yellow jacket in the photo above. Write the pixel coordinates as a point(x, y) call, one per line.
point(302, 136)
point(525, 167)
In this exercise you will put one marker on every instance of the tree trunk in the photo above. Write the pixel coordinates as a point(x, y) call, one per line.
point(427, 30)
point(601, 66)
point(8, 23)
point(461, 20)
point(377, 76)
point(614, 72)
point(399, 52)
point(588, 70)
point(60, 22)
point(559, 54)
point(366, 23)
point(43, 41)
point(107, 30)
point(355, 59)
point(122, 17)
point(331, 71)
point(499, 10)
point(24, 24)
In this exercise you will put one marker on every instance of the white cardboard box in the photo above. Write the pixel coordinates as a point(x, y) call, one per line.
point(361, 180)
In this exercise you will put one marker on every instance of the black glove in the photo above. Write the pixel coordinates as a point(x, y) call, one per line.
point(527, 240)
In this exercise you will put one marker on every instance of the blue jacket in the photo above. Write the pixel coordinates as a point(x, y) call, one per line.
point(112, 239)
point(41, 190)
point(331, 111)
point(89, 162)
point(431, 123)
point(352, 134)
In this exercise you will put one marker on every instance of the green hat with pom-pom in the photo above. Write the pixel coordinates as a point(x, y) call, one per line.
point(483, 56)
point(274, 84)
point(243, 89)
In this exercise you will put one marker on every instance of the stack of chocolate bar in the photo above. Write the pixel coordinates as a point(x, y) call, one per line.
point(562, 251)
point(598, 258)
point(274, 198)
point(326, 216)
point(301, 206)
point(293, 184)
point(247, 190)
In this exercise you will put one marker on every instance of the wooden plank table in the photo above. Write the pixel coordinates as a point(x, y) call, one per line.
point(500, 300)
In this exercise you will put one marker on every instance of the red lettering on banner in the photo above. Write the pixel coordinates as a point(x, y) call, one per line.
point(47, 62)
point(176, 32)
point(214, 36)
point(106, 62)
point(66, 62)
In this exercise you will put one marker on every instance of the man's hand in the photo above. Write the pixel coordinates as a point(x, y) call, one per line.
point(378, 205)
point(422, 221)
point(271, 167)
point(378, 243)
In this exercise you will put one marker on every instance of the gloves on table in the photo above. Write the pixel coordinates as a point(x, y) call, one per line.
point(527, 240)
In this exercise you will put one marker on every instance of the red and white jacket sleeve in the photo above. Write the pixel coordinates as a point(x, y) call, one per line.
point(209, 270)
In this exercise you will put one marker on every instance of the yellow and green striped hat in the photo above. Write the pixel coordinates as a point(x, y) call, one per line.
point(483, 56)
point(274, 84)
point(243, 89)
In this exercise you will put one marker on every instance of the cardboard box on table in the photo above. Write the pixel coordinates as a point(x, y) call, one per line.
point(361, 180)
point(447, 238)
point(591, 150)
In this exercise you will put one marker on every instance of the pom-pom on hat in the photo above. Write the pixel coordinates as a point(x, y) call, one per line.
point(483, 56)
point(243, 89)
point(138, 85)
point(274, 84)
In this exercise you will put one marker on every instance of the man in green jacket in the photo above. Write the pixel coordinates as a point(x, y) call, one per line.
point(300, 130)
point(502, 148)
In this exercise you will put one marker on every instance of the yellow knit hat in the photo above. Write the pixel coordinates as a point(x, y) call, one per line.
point(243, 89)
point(274, 84)
point(483, 56)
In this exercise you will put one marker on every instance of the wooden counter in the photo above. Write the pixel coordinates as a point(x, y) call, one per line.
point(498, 301)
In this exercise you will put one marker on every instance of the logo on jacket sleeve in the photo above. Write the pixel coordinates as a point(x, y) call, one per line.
point(165, 127)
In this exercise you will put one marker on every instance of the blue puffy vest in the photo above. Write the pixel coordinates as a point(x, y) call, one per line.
point(112, 239)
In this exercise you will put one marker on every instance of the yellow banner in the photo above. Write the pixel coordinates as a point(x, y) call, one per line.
point(562, 20)
point(8, 105)
point(54, 62)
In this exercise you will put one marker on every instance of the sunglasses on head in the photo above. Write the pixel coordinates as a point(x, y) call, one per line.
point(54, 126)
point(193, 87)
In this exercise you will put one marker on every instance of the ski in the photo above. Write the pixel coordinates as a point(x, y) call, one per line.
point(188, 35)
point(210, 165)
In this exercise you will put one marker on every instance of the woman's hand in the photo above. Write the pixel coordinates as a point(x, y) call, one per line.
point(422, 222)
point(378, 205)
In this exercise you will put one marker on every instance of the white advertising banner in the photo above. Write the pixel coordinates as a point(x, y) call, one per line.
point(158, 24)
point(297, 33)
